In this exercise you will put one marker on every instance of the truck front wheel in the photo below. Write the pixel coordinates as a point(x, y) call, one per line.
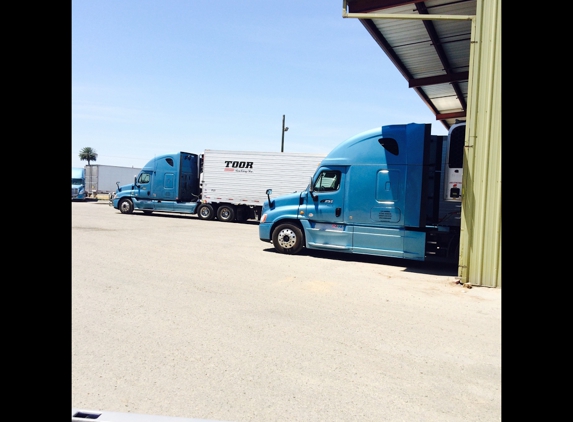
point(206, 212)
point(126, 206)
point(226, 213)
point(287, 238)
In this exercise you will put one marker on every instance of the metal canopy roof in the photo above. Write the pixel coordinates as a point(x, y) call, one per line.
point(433, 55)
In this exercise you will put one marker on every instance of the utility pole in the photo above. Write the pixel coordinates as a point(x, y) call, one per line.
point(283, 135)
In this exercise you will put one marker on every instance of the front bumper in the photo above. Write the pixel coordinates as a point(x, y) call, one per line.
point(265, 232)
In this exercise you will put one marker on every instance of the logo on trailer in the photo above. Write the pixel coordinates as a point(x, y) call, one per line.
point(239, 166)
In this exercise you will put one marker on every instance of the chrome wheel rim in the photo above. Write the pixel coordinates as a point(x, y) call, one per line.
point(287, 238)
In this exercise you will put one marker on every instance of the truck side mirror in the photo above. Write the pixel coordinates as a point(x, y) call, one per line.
point(311, 189)
point(269, 193)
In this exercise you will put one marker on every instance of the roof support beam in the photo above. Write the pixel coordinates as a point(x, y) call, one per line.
point(407, 17)
point(436, 80)
point(456, 115)
point(364, 6)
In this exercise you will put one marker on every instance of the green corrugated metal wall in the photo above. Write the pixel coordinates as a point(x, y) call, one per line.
point(480, 242)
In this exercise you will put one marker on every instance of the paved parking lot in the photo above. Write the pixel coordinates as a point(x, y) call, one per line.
point(200, 319)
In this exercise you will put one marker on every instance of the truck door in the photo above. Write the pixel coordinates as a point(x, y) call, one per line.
point(325, 211)
point(143, 186)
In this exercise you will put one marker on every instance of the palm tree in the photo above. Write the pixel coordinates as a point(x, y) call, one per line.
point(88, 154)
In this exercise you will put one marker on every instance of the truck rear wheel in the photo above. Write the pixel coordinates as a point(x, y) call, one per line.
point(126, 206)
point(287, 239)
point(226, 213)
point(206, 212)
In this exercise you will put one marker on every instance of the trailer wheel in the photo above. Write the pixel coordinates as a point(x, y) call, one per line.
point(206, 212)
point(126, 206)
point(226, 213)
point(287, 239)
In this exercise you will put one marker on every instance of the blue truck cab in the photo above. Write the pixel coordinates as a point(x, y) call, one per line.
point(165, 183)
point(380, 192)
point(78, 184)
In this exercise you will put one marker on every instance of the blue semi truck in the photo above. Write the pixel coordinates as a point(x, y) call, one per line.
point(78, 184)
point(225, 185)
point(393, 191)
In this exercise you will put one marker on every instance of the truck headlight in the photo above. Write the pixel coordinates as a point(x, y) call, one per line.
point(263, 218)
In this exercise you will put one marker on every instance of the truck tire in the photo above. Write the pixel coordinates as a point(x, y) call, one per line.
point(126, 206)
point(242, 214)
point(226, 213)
point(206, 212)
point(288, 239)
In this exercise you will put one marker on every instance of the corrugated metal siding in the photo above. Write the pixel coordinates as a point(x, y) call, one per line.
point(409, 39)
point(444, 97)
point(480, 243)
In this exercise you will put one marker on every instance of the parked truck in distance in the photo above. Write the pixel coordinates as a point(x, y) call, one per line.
point(392, 191)
point(103, 179)
point(78, 184)
point(226, 185)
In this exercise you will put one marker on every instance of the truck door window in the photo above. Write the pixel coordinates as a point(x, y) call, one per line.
point(143, 178)
point(327, 181)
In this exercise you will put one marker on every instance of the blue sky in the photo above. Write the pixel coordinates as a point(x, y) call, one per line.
point(151, 77)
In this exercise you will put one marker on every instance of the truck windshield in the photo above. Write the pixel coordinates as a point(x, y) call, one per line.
point(77, 181)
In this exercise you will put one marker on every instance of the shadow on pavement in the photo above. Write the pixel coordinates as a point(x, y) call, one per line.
point(421, 267)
